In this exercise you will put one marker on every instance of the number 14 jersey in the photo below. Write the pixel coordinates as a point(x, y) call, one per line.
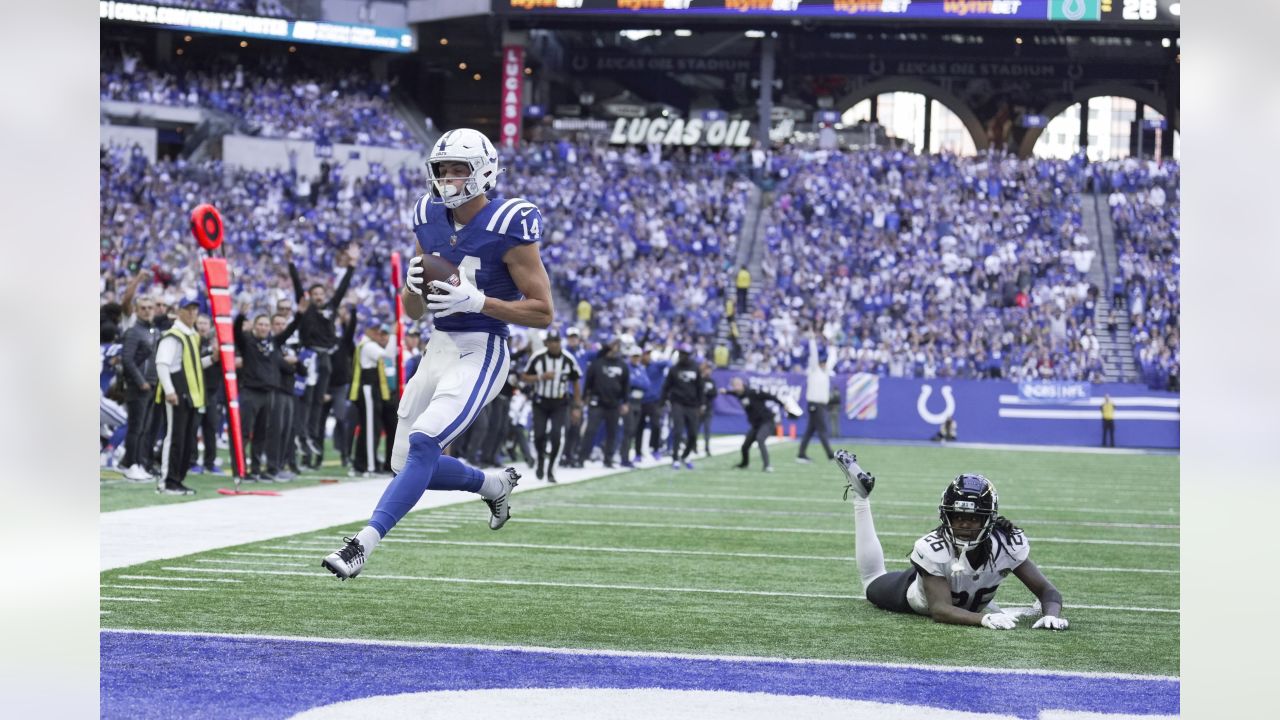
point(477, 249)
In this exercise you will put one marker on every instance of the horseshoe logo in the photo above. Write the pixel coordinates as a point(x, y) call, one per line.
point(922, 405)
point(579, 62)
point(876, 66)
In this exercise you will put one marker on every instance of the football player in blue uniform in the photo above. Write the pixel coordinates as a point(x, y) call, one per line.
point(956, 569)
point(494, 244)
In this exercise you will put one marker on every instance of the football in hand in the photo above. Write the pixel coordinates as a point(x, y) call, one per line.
point(435, 267)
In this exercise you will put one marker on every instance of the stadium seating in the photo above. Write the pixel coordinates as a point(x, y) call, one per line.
point(910, 266)
point(271, 100)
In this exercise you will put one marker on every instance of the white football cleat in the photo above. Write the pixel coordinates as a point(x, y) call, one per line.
point(499, 506)
point(348, 561)
point(858, 480)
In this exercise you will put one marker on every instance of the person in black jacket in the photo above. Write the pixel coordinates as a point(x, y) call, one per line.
point(258, 375)
point(608, 379)
point(759, 414)
point(280, 426)
point(339, 388)
point(683, 389)
point(709, 392)
point(137, 362)
point(316, 330)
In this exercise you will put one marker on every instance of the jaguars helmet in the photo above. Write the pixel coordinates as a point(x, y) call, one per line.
point(970, 494)
point(468, 146)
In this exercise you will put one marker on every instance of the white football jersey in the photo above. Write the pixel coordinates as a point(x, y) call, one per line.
point(971, 588)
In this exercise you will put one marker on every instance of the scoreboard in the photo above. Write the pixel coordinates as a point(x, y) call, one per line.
point(1150, 13)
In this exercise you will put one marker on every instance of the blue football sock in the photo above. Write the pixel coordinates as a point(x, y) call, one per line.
point(423, 468)
point(408, 486)
point(452, 474)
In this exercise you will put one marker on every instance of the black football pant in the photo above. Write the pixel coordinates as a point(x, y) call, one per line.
point(280, 431)
point(555, 412)
point(179, 448)
point(210, 423)
point(255, 408)
point(758, 433)
point(651, 416)
point(369, 421)
point(139, 407)
point(817, 424)
point(684, 428)
point(609, 417)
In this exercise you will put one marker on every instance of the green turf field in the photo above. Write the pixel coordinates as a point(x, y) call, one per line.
point(714, 561)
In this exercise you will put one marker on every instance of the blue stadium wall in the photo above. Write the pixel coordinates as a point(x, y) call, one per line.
point(991, 411)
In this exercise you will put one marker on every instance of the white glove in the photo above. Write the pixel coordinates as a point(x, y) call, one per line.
point(998, 621)
point(413, 276)
point(450, 299)
point(1049, 622)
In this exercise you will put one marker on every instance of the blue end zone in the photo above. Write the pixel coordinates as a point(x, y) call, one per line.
point(168, 676)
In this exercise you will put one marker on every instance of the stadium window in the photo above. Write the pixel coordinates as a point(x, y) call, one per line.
point(901, 116)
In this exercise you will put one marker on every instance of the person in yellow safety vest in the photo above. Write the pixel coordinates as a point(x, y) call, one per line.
point(182, 393)
point(370, 391)
point(1108, 422)
point(743, 283)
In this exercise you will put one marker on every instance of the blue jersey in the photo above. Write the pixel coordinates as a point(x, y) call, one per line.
point(477, 249)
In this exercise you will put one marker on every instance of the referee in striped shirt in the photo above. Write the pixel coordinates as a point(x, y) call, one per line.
point(554, 375)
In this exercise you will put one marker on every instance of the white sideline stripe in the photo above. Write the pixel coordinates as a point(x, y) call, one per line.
point(1097, 402)
point(421, 529)
point(648, 654)
point(129, 599)
point(155, 587)
point(739, 528)
point(825, 501)
point(712, 553)
point(1088, 414)
point(104, 612)
point(802, 513)
point(177, 579)
point(602, 586)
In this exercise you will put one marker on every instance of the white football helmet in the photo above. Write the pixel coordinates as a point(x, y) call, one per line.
point(466, 146)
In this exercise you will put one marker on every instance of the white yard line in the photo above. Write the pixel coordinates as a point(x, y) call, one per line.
point(835, 498)
point(848, 513)
point(602, 586)
point(128, 599)
point(162, 532)
point(812, 531)
point(711, 553)
point(156, 587)
point(170, 578)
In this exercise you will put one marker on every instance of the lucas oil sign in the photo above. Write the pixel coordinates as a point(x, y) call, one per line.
point(677, 131)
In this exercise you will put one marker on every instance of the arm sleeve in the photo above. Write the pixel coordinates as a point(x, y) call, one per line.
point(297, 282)
point(288, 330)
point(237, 332)
point(338, 294)
point(813, 355)
point(349, 332)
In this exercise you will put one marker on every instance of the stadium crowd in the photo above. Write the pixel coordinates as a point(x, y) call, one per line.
point(270, 98)
point(927, 266)
point(905, 265)
point(1145, 212)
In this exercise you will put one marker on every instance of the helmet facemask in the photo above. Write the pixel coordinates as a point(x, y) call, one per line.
point(969, 495)
point(472, 149)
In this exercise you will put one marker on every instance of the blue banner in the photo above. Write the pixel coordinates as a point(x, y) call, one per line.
point(990, 411)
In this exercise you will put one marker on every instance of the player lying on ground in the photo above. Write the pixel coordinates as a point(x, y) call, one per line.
point(956, 569)
point(501, 280)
